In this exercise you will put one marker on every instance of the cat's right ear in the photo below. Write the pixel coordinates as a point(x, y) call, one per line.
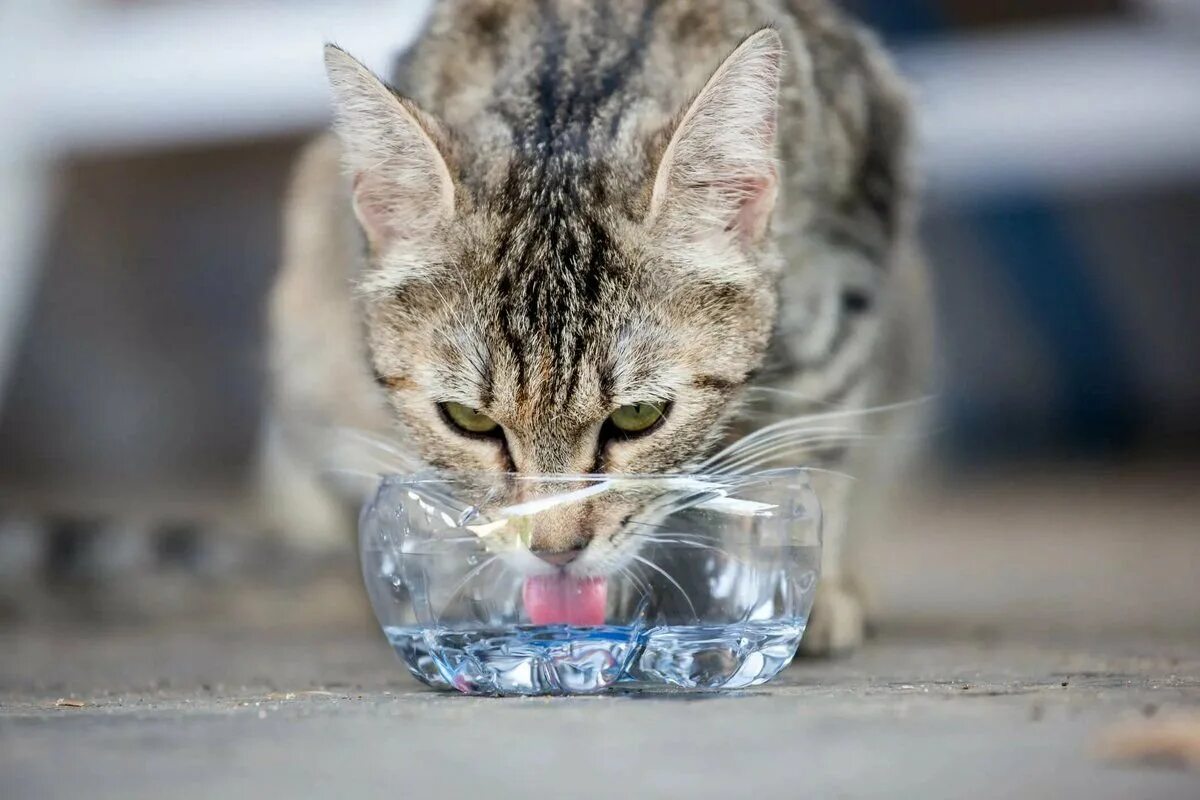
point(403, 189)
point(717, 179)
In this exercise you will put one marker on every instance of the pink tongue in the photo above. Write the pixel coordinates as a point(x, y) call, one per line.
point(565, 600)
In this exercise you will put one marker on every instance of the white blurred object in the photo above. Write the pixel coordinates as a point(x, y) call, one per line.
point(26, 179)
point(75, 77)
point(197, 72)
point(1176, 11)
point(1071, 108)
point(1083, 108)
point(1107, 103)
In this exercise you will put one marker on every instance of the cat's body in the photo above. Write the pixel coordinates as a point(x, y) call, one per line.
point(580, 210)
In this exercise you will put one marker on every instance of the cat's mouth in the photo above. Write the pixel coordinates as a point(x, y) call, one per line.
point(562, 599)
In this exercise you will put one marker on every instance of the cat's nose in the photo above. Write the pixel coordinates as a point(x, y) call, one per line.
point(559, 558)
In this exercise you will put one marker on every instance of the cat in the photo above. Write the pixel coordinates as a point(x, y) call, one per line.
point(568, 236)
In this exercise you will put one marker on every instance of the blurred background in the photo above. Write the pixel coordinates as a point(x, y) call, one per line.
point(142, 163)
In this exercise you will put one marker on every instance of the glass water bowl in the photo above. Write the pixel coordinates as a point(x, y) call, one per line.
point(507, 584)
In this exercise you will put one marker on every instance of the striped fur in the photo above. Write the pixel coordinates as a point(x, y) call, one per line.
point(559, 207)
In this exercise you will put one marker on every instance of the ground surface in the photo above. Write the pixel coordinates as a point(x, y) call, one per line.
point(248, 715)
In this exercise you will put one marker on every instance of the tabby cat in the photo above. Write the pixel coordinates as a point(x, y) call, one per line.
point(601, 236)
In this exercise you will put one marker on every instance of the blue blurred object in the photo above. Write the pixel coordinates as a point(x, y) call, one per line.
point(1049, 273)
point(1052, 280)
point(900, 20)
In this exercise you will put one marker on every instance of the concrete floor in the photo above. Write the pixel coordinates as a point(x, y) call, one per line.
point(218, 714)
point(285, 686)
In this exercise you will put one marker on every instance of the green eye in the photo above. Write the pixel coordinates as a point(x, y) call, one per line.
point(468, 419)
point(637, 418)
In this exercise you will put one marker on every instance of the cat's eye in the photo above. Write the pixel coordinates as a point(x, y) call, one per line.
point(637, 418)
point(468, 419)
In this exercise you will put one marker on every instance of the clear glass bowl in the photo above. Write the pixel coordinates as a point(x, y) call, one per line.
point(686, 582)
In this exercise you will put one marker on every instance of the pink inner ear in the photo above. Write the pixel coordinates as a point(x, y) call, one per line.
point(374, 212)
point(754, 201)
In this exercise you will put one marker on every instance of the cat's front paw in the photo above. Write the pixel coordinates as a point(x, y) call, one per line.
point(836, 625)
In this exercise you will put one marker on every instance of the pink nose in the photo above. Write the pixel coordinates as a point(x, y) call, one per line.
point(560, 558)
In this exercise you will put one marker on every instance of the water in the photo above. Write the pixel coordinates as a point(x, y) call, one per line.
point(558, 659)
point(709, 587)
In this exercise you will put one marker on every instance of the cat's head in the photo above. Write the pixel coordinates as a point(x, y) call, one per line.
point(550, 305)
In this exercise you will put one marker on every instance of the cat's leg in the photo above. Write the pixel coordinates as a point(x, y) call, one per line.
point(837, 623)
point(294, 501)
point(855, 512)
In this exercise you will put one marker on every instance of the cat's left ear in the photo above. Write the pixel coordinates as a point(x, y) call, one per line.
point(403, 189)
point(717, 177)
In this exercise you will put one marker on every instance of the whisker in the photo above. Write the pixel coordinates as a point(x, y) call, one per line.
point(672, 537)
point(682, 502)
point(796, 396)
point(686, 543)
point(447, 501)
point(641, 585)
point(792, 440)
point(775, 433)
point(646, 537)
point(793, 452)
point(759, 451)
point(776, 437)
point(807, 419)
point(375, 440)
point(499, 576)
point(380, 461)
point(831, 472)
point(899, 404)
point(661, 525)
point(802, 447)
point(674, 582)
point(783, 459)
point(791, 427)
point(463, 584)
